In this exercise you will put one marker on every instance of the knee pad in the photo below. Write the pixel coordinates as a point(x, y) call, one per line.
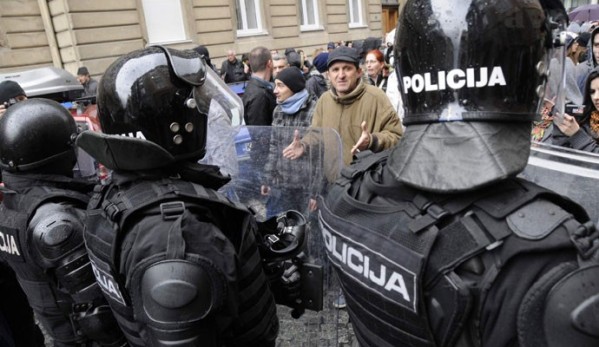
point(176, 295)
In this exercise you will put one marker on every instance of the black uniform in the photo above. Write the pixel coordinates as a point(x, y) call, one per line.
point(41, 225)
point(177, 260)
point(42, 240)
point(423, 269)
point(154, 239)
point(17, 324)
point(437, 243)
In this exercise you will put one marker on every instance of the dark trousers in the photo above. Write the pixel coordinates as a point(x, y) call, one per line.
point(17, 325)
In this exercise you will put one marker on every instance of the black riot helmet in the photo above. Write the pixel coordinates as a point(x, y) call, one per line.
point(152, 102)
point(472, 74)
point(37, 135)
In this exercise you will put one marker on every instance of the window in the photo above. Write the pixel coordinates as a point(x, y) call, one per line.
point(309, 13)
point(249, 18)
point(355, 13)
point(164, 21)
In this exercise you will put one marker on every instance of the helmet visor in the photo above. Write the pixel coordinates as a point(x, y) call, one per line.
point(215, 90)
point(188, 65)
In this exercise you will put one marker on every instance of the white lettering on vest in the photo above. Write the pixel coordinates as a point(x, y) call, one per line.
point(455, 79)
point(137, 135)
point(107, 284)
point(8, 244)
point(359, 263)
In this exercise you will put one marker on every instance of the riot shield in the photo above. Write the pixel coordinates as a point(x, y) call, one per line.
point(269, 184)
point(566, 171)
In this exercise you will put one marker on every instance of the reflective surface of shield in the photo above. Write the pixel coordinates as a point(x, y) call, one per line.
point(566, 171)
point(269, 184)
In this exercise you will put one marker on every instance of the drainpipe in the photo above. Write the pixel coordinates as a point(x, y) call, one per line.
point(50, 35)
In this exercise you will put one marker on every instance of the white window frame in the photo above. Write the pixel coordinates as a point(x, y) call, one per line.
point(356, 22)
point(165, 22)
point(305, 15)
point(245, 31)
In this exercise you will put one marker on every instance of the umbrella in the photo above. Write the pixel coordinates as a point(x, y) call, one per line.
point(585, 13)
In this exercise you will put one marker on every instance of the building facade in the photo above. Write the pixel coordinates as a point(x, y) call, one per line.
point(73, 33)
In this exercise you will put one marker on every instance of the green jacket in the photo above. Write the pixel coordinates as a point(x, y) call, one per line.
point(346, 113)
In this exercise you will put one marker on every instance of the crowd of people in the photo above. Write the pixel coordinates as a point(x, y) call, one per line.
point(576, 126)
point(433, 237)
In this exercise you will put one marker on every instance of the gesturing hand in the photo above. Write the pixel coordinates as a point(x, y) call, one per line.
point(295, 149)
point(364, 140)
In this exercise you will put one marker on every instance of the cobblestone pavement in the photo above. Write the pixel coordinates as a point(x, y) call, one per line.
point(328, 328)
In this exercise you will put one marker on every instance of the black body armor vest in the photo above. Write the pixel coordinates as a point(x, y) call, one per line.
point(416, 267)
point(53, 306)
point(114, 211)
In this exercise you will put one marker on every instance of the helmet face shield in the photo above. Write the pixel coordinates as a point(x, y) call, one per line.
point(215, 90)
point(187, 65)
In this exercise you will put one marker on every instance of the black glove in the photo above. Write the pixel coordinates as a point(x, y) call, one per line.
point(283, 236)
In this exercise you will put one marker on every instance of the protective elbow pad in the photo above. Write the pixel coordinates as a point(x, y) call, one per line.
point(55, 236)
point(176, 295)
point(572, 313)
point(561, 309)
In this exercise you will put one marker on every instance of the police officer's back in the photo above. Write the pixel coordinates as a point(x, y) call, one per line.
point(178, 262)
point(41, 224)
point(437, 243)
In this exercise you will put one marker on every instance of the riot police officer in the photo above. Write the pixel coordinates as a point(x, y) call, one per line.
point(177, 260)
point(437, 243)
point(41, 225)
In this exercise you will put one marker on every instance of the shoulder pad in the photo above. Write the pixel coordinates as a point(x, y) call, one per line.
point(537, 219)
point(54, 234)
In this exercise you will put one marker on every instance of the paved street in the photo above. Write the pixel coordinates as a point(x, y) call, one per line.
point(328, 328)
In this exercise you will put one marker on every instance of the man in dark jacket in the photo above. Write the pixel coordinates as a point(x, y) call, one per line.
point(232, 70)
point(258, 98)
point(318, 83)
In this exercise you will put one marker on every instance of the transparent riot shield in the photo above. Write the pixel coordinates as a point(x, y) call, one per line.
point(270, 184)
point(566, 171)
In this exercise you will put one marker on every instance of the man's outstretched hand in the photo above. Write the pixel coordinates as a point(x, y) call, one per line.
point(295, 149)
point(364, 140)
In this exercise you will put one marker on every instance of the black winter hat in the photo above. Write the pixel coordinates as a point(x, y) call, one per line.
point(82, 71)
point(294, 59)
point(583, 39)
point(293, 78)
point(321, 61)
point(10, 89)
point(343, 53)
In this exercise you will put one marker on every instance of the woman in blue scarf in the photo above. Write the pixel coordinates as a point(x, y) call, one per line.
point(294, 110)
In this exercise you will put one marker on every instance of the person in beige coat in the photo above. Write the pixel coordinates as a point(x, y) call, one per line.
point(361, 113)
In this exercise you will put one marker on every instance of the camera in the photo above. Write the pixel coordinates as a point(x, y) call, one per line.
point(573, 109)
point(10, 102)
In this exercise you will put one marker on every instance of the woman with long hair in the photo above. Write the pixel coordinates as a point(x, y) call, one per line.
point(582, 132)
